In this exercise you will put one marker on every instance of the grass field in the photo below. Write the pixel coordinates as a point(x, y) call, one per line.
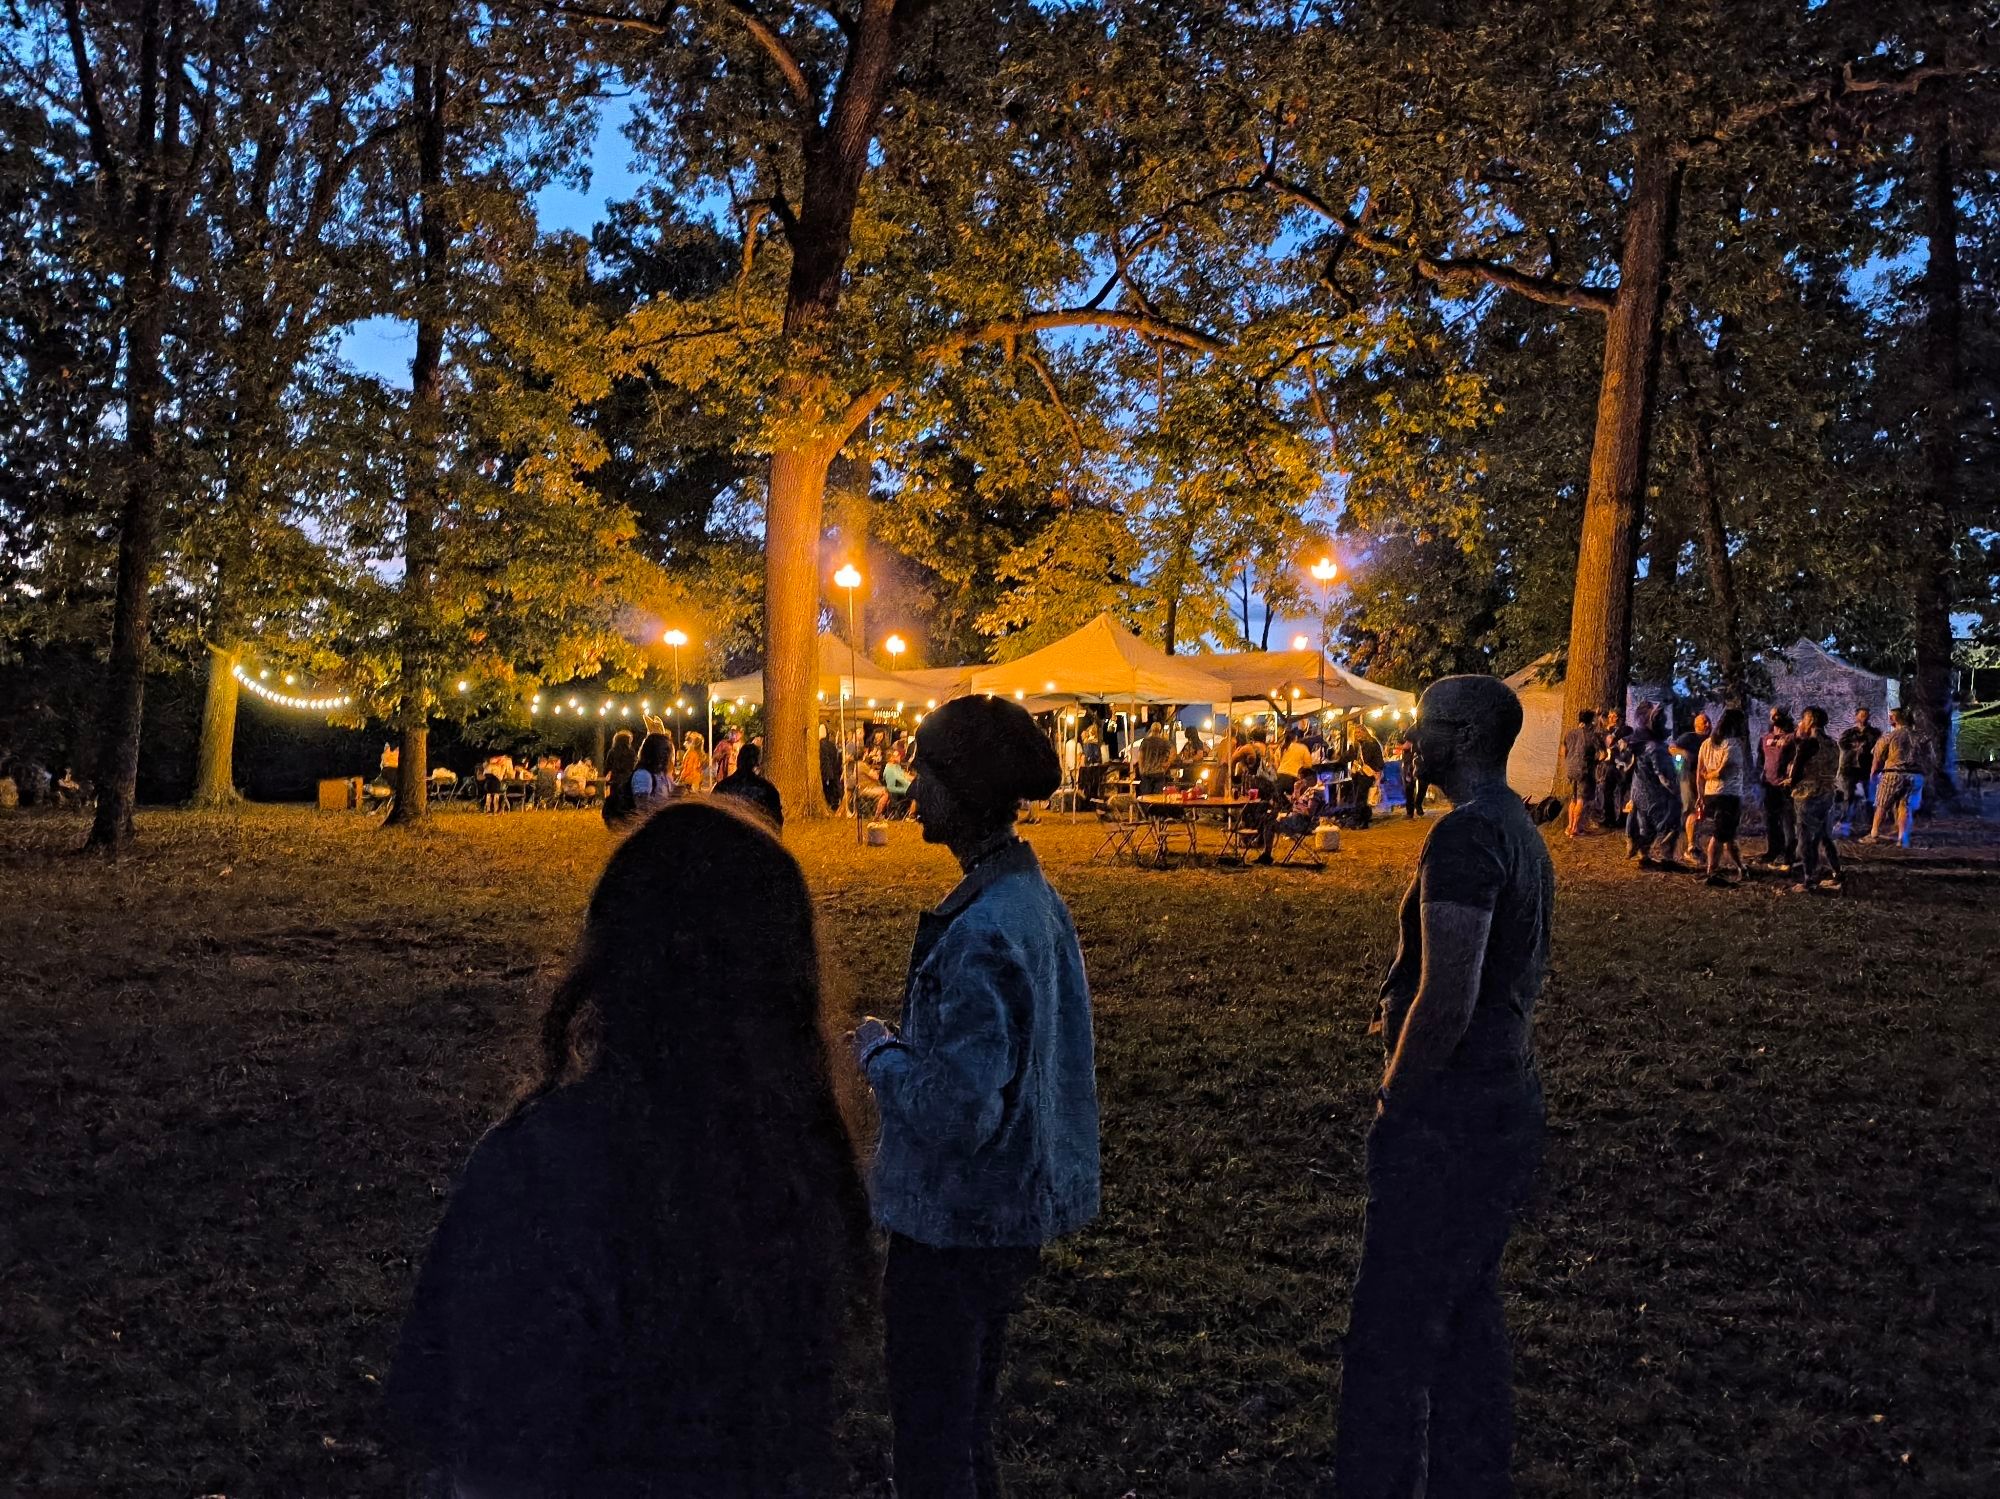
point(240, 1068)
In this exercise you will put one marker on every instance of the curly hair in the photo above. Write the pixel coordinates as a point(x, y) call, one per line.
point(694, 1002)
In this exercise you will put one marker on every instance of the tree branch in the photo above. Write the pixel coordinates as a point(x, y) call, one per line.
point(1831, 90)
point(1446, 270)
point(1034, 362)
point(1004, 330)
point(762, 32)
point(93, 112)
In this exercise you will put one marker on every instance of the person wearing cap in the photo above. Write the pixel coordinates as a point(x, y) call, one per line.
point(1426, 1381)
point(987, 1094)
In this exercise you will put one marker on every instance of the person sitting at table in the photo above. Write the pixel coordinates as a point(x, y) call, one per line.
point(897, 780)
point(576, 779)
point(1156, 756)
point(1294, 760)
point(870, 795)
point(1188, 759)
point(548, 781)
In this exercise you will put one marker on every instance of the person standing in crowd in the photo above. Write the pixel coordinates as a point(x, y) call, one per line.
point(1414, 791)
point(1901, 760)
point(1616, 770)
point(747, 783)
point(1857, 768)
point(1812, 775)
point(1687, 755)
point(1780, 837)
point(725, 755)
point(1723, 763)
point(1426, 1403)
point(694, 762)
point(1581, 748)
point(653, 776)
point(1188, 760)
point(644, 1281)
point(1368, 764)
point(829, 769)
point(1156, 758)
point(988, 1099)
point(1656, 795)
point(619, 763)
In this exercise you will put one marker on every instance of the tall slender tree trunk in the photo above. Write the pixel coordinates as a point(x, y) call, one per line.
point(836, 159)
point(1710, 526)
point(1243, 599)
point(1600, 629)
point(144, 294)
point(420, 502)
point(1935, 541)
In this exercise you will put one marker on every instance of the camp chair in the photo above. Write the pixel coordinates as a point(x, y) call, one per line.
point(1122, 830)
point(1295, 832)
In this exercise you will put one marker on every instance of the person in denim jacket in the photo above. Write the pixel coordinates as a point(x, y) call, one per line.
point(987, 1094)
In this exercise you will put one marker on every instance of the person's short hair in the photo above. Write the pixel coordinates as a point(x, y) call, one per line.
point(1900, 717)
point(1816, 713)
point(1586, 715)
point(1863, 712)
point(1489, 734)
point(1782, 719)
point(749, 757)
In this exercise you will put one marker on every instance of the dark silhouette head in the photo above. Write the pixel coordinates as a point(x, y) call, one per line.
point(748, 758)
point(979, 759)
point(692, 1013)
point(656, 754)
point(1464, 730)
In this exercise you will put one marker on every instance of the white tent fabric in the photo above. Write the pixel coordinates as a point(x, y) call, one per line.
point(1102, 663)
point(863, 680)
point(1254, 675)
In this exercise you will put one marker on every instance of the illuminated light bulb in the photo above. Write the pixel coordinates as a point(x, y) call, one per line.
point(265, 674)
point(674, 638)
point(930, 702)
point(741, 701)
point(537, 708)
point(290, 678)
point(848, 577)
point(464, 686)
point(558, 707)
point(573, 702)
point(871, 702)
point(1048, 687)
point(1208, 723)
point(645, 705)
point(1019, 695)
point(624, 710)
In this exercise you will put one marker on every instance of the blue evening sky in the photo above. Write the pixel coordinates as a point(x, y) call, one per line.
point(382, 346)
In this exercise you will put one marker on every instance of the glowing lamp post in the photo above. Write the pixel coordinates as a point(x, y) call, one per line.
point(849, 578)
point(1324, 572)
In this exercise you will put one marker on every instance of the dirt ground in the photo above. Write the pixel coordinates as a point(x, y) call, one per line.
point(240, 1068)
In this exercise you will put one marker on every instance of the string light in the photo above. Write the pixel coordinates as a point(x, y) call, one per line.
point(286, 699)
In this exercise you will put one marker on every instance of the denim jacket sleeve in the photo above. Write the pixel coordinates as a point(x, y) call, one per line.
point(946, 1082)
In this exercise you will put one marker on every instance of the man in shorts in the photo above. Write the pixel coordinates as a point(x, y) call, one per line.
point(1857, 768)
point(1901, 761)
point(1581, 748)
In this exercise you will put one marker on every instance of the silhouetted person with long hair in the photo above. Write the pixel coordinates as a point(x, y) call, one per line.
point(619, 763)
point(1427, 1379)
point(640, 1285)
point(988, 1099)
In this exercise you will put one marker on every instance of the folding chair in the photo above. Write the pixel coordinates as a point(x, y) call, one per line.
point(1120, 840)
point(1298, 841)
point(1162, 823)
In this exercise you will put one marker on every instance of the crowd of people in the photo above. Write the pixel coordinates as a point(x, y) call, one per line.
point(1811, 788)
point(647, 1279)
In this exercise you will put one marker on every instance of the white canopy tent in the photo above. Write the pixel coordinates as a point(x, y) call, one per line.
point(1102, 663)
point(860, 681)
point(1291, 680)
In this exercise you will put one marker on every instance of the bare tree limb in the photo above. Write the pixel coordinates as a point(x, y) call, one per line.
point(1830, 90)
point(1444, 270)
point(1002, 330)
point(93, 111)
point(766, 36)
point(1034, 362)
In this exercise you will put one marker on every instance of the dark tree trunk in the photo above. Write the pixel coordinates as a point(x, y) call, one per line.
point(147, 238)
point(1600, 631)
point(1244, 599)
point(1727, 643)
point(417, 634)
point(1935, 541)
point(836, 159)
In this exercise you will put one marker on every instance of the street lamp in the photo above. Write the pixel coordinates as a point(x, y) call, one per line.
point(676, 639)
point(1324, 572)
point(849, 578)
point(895, 645)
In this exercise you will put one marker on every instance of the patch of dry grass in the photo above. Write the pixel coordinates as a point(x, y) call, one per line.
point(242, 1066)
